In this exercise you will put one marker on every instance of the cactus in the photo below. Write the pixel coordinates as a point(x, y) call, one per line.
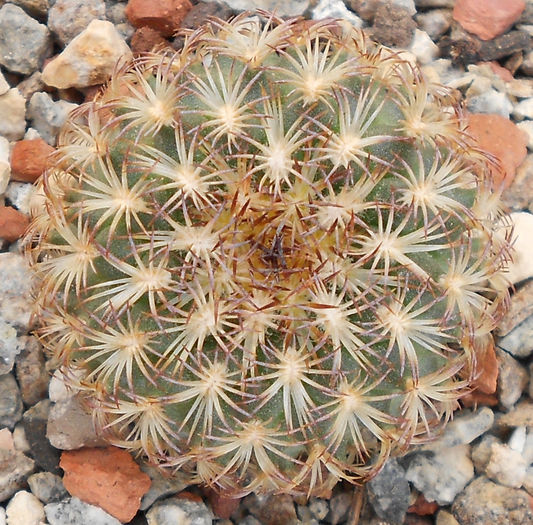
point(271, 259)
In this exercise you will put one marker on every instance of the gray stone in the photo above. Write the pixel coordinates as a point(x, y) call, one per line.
point(334, 9)
point(512, 379)
point(389, 493)
point(162, 485)
point(47, 487)
point(519, 415)
point(73, 511)
point(15, 291)
point(466, 427)
point(24, 43)
point(13, 111)
point(280, 7)
point(70, 426)
point(491, 101)
point(31, 373)
point(10, 347)
point(442, 475)
point(339, 506)
point(35, 424)
point(435, 22)
point(48, 116)
point(14, 470)
point(319, 508)
point(10, 402)
point(68, 18)
point(519, 341)
point(484, 502)
point(173, 511)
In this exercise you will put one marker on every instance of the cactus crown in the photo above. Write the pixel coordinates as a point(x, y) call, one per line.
point(269, 259)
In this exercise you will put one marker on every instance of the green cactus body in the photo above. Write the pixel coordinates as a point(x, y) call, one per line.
point(271, 259)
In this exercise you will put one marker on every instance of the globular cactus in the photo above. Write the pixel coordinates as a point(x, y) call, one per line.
point(271, 259)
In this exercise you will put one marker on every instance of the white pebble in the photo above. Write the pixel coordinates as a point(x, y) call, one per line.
point(24, 509)
point(527, 126)
point(517, 441)
point(506, 466)
point(524, 109)
point(5, 168)
point(89, 59)
point(423, 47)
point(4, 86)
point(13, 112)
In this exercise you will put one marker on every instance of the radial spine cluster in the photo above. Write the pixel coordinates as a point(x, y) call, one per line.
point(271, 259)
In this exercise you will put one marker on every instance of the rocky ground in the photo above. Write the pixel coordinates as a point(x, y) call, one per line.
point(54, 470)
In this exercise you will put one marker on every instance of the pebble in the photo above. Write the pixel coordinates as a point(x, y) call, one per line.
point(275, 509)
point(435, 23)
point(70, 426)
point(29, 159)
point(481, 452)
point(521, 267)
point(73, 511)
point(520, 415)
point(24, 509)
point(484, 502)
point(282, 8)
point(25, 43)
point(4, 86)
point(47, 116)
point(89, 59)
point(35, 422)
point(527, 127)
point(15, 467)
point(165, 16)
point(32, 376)
point(524, 109)
point(47, 487)
point(107, 477)
point(465, 428)
point(393, 26)
point(10, 401)
point(5, 167)
point(15, 292)
point(162, 485)
point(20, 195)
point(68, 18)
point(389, 493)
point(512, 379)
point(487, 18)
point(445, 518)
point(506, 466)
point(492, 102)
point(10, 346)
point(13, 111)
point(173, 511)
point(501, 137)
point(441, 476)
point(423, 47)
point(13, 224)
point(335, 9)
point(519, 342)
